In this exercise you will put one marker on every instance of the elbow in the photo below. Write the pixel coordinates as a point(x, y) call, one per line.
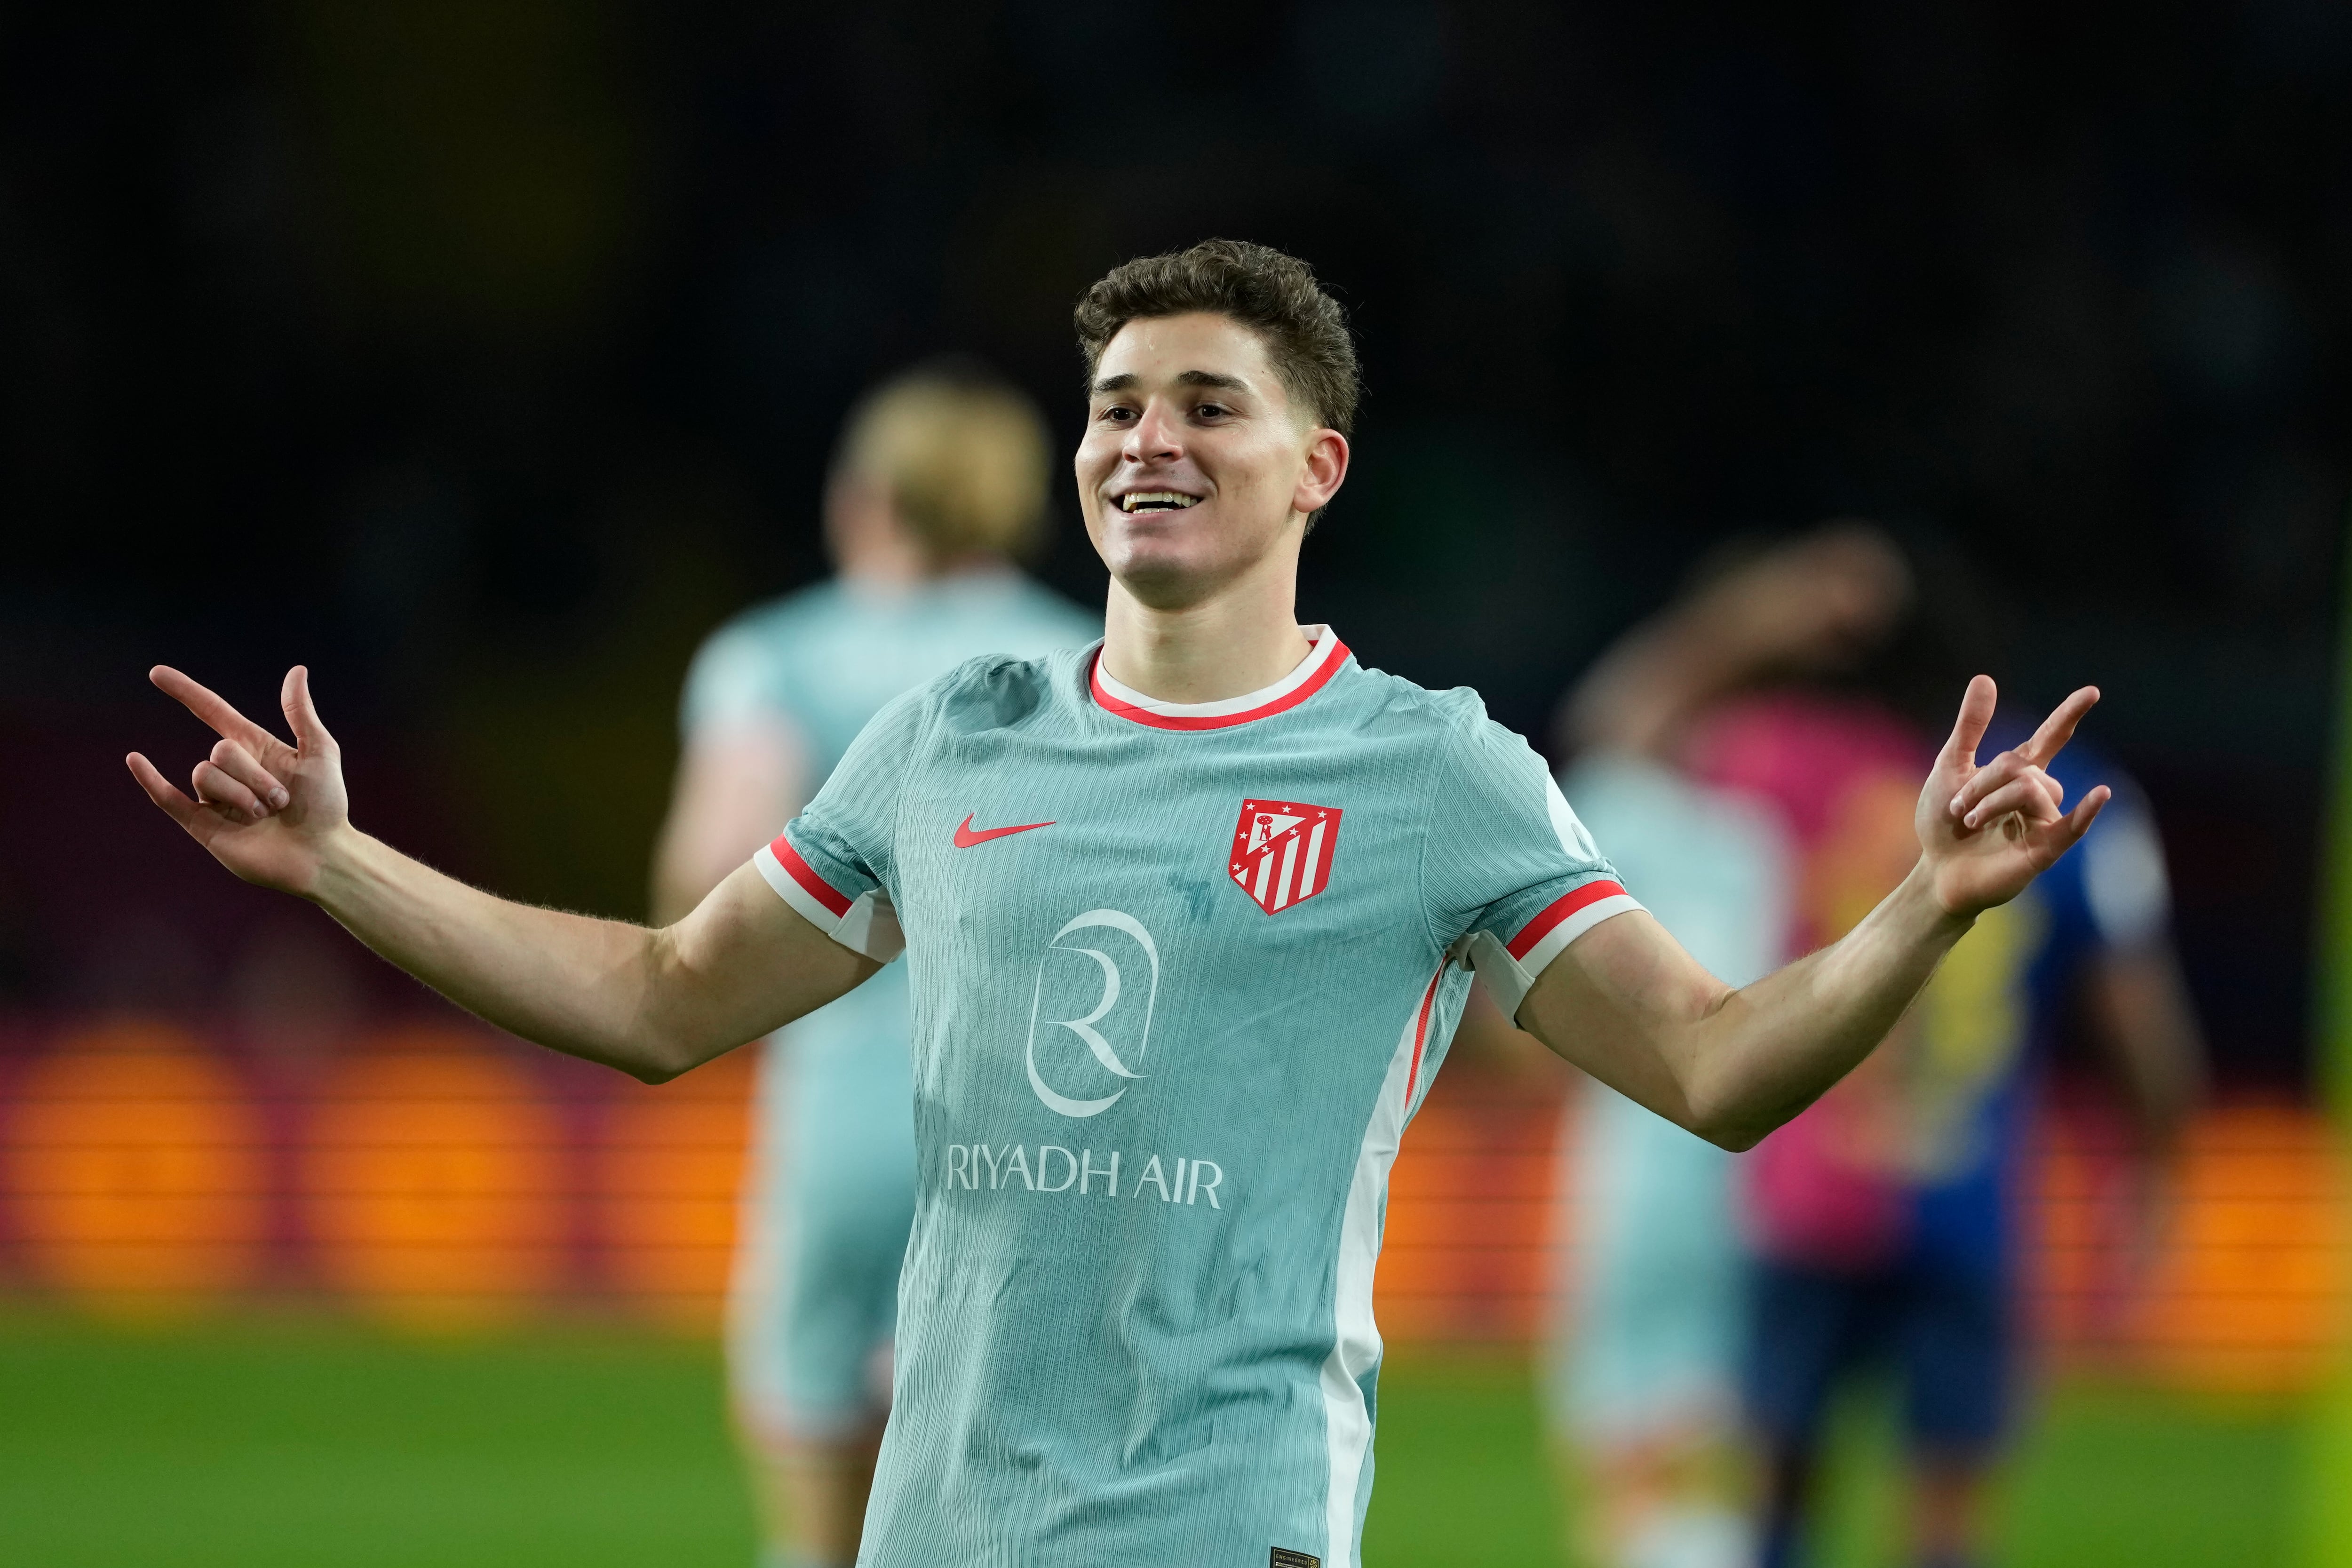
point(1733, 1128)
point(1735, 1138)
point(658, 1059)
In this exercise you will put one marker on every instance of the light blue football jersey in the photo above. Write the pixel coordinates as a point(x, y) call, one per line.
point(826, 1224)
point(1181, 974)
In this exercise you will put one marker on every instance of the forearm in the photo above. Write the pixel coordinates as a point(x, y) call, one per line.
point(584, 987)
point(651, 1003)
point(1764, 1052)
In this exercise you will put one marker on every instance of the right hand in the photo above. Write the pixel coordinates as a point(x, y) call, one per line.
point(265, 809)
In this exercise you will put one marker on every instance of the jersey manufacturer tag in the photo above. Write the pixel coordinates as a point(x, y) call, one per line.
point(1281, 851)
point(1279, 1558)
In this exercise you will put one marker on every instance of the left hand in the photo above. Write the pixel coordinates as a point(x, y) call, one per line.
point(1987, 831)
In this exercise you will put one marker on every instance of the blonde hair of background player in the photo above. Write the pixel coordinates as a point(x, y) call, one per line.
point(961, 461)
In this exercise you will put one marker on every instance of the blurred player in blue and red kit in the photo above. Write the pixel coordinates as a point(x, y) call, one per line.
point(1882, 1223)
point(940, 481)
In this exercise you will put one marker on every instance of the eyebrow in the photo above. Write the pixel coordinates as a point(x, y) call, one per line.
point(1184, 378)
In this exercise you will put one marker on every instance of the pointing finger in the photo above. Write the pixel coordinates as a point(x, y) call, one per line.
point(2059, 728)
point(216, 710)
point(1977, 706)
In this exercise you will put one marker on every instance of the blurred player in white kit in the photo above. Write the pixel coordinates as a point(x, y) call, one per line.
point(1642, 1389)
point(940, 481)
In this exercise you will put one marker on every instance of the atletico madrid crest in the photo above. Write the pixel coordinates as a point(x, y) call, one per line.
point(1281, 851)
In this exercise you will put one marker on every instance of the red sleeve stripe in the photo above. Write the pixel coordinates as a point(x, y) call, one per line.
point(816, 887)
point(1535, 929)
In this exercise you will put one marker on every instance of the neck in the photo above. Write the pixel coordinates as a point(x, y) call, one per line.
point(1227, 645)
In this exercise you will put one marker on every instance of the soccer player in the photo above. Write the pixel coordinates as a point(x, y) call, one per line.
point(940, 478)
point(1188, 916)
point(1643, 1386)
point(1885, 1221)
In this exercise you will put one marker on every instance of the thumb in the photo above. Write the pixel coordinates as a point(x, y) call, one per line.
point(301, 713)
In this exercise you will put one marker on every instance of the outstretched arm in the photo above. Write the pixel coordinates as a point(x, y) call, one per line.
point(1625, 1002)
point(652, 1003)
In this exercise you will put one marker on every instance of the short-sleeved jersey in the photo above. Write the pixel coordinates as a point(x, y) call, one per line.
point(821, 663)
point(1180, 976)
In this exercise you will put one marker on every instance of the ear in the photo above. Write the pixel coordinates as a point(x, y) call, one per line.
point(1325, 471)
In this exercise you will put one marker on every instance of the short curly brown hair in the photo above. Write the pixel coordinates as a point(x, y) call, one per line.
point(1273, 294)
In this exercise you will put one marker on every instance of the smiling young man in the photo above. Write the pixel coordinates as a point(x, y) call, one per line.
point(1188, 917)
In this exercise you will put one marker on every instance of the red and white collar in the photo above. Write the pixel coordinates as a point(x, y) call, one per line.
point(1322, 661)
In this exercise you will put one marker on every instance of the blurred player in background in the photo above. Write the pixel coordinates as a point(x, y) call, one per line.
point(940, 481)
point(1642, 1390)
point(1885, 1219)
point(1883, 1222)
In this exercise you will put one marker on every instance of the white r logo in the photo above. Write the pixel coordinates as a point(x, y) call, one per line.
point(1084, 1027)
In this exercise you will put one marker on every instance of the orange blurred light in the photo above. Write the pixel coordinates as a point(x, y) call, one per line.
point(135, 1161)
point(668, 1175)
point(433, 1182)
point(2249, 1294)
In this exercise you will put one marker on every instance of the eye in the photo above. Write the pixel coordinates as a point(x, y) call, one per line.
point(1115, 413)
point(1212, 411)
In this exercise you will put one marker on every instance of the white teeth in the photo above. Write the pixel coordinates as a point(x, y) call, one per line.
point(1134, 499)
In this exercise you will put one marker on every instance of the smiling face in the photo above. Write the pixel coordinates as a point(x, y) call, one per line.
point(1196, 469)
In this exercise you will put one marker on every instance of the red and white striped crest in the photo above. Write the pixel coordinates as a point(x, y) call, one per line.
point(1281, 851)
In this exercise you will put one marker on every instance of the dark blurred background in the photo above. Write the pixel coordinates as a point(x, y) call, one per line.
point(483, 354)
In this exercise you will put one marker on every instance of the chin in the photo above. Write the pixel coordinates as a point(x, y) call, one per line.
point(1158, 573)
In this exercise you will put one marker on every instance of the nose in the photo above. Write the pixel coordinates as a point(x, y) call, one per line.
point(1156, 435)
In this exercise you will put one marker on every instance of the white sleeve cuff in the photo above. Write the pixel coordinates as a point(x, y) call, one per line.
point(864, 924)
point(1508, 970)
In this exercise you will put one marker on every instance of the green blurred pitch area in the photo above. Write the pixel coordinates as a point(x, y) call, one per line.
point(315, 1443)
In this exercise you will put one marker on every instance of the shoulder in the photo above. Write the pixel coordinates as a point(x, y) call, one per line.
point(743, 669)
point(994, 691)
point(1450, 730)
point(1440, 717)
point(769, 628)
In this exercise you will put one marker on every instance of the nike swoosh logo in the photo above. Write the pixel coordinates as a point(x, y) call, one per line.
point(966, 837)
